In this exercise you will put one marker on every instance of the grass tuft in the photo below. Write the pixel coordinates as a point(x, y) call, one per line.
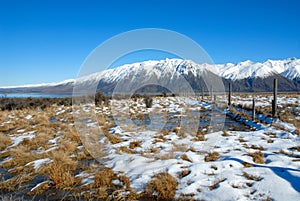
point(212, 156)
point(162, 186)
point(258, 157)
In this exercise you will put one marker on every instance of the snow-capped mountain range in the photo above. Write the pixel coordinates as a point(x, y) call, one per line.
point(289, 68)
point(242, 73)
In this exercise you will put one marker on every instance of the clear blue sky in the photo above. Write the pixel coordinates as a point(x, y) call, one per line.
point(47, 41)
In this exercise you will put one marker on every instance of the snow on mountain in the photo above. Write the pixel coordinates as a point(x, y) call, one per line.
point(288, 68)
point(292, 72)
point(172, 68)
point(249, 69)
point(39, 85)
point(159, 68)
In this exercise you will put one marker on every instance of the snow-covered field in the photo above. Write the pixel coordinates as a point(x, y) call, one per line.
point(43, 156)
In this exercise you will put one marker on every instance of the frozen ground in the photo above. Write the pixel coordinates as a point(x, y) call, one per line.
point(255, 165)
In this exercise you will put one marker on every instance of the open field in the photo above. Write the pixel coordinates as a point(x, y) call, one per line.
point(171, 149)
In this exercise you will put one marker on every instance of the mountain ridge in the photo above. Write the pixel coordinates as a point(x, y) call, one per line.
point(243, 73)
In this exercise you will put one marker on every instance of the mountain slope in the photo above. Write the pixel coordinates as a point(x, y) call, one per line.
point(246, 76)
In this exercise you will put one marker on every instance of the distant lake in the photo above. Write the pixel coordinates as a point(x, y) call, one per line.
point(34, 95)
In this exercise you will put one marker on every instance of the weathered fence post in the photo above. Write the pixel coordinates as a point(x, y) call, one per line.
point(229, 94)
point(274, 101)
point(211, 93)
point(202, 94)
point(253, 109)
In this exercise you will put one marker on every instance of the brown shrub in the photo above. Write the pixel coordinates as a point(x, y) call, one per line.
point(163, 185)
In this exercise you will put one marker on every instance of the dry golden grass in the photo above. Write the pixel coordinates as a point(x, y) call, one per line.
point(296, 148)
point(212, 156)
point(15, 183)
point(258, 157)
point(126, 150)
point(114, 139)
point(247, 165)
point(21, 155)
point(186, 158)
point(162, 186)
point(290, 154)
point(184, 173)
point(104, 177)
point(61, 170)
point(5, 141)
point(134, 144)
point(225, 133)
point(261, 148)
point(242, 139)
point(42, 188)
point(200, 136)
point(216, 184)
point(154, 150)
point(251, 177)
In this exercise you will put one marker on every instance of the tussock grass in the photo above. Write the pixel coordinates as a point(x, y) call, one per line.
point(5, 141)
point(216, 184)
point(184, 173)
point(252, 177)
point(242, 139)
point(258, 157)
point(42, 188)
point(247, 165)
point(21, 155)
point(186, 158)
point(162, 186)
point(15, 183)
point(212, 156)
point(134, 144)
point(104, 177)
point(126, 150)
point(60, 171)
point(225, 133)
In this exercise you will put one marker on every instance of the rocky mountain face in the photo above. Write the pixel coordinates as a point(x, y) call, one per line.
point(174, 74)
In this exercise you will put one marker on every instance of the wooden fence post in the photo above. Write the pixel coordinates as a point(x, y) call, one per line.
point(202, 94)
point(229, 94)
point(253, 109)
point(211, 93)
point(274, 101)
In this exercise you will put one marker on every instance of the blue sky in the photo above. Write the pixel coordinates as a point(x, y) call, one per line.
point(47, 41)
